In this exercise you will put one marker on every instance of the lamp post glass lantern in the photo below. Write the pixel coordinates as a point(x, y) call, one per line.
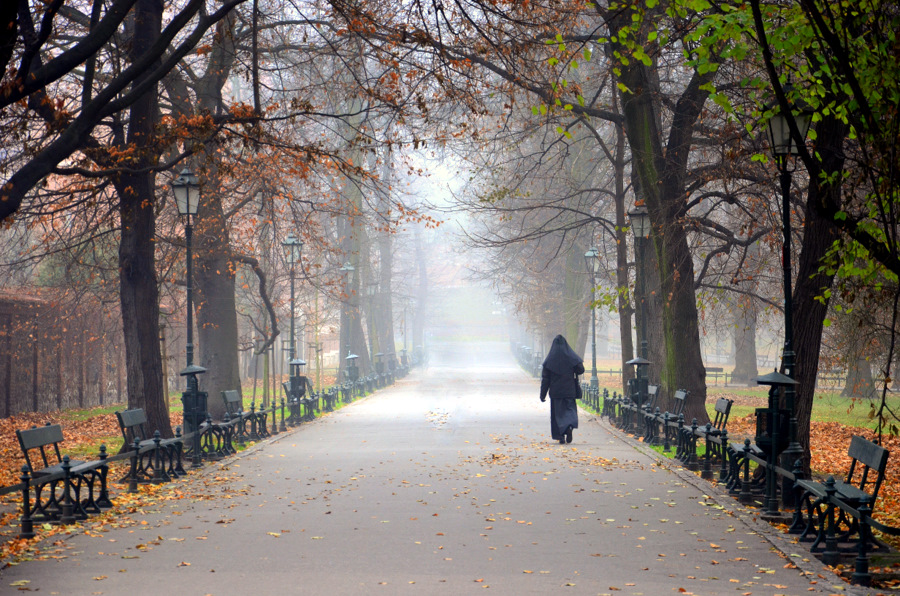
point(592, 264)
point(186, 188)
point(785, 144)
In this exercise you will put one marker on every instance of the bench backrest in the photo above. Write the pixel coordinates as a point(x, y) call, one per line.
point(722, 409)
point(40, 438)
point(652, 394)
point(679, 397)
point(872, 457)
point(132, 422)
point(234, 403)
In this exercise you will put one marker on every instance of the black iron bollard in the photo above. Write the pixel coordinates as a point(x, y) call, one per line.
point(723, 452)
point(861, 575)
point(679, 448)
point(26, 527)
point(746, 497)
point(707, 474)
point(179, 446)
point(103, 501)
point(667, 447)
point(254, 430)
point(68, 508)
point(135, 455)
point(157, 459)
point(692, 464)
point(831, 555)
point(283, 427)
point(797, 521)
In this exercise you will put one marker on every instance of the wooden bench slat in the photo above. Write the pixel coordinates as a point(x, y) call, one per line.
point(867, 453)
point(41, 436)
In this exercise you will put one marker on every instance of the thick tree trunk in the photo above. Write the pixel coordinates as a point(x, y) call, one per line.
point(139, 294)
point(385, 315)
point(745, 370)
point(662, 176)
point(421, 304)
point(214, 269)
point(859, 379)
point(819, 233)
point(216, 310)
point(623, 306)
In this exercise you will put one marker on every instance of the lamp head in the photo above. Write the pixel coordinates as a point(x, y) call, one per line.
point(780, 140)
point(640, 221)
point(292, 247)
point(187, 193)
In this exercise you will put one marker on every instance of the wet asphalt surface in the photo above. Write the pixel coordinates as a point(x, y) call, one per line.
point(445, 483)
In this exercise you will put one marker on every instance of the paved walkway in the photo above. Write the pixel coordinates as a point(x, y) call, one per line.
point(446, 483)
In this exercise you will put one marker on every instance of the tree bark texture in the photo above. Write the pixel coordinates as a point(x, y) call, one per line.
point(662, 176)
point(744, 333)
point(819, 232)
point(139, 293)
point(215, 307)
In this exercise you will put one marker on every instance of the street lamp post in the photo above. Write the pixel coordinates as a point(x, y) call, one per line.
point(292, 248)
point(640, 225)
point(786, 135)
point(592, 262)
point(347, 270)
point(186, 189)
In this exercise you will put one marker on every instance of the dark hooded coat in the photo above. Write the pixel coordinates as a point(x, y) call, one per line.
point(558, 379)
point(560, 367)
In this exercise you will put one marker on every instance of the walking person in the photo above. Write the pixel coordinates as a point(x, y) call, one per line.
point(558, 378)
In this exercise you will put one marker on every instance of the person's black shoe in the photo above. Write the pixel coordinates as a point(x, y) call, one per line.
point(562, 441)
point(568, 435)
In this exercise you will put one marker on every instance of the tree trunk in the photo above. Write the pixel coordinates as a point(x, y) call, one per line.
point(623, 306)
point(421, 304)
point(139, 293)
point(662, 175)
point(214, 270)
point(215, 307)
point(745, 370)
point(819, 233)
point(859, 379)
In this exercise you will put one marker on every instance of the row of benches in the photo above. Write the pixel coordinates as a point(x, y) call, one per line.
point(834, 515)
point(58, 489)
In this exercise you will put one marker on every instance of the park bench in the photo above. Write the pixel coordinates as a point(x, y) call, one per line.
point(825, 519)
point(63, 478)
point(673, 422)
point(648, 412)
point(609, 404)
point(237, 418)
point(157, 461)
point(306, 398)
point(716, 435)
point(715, 372)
